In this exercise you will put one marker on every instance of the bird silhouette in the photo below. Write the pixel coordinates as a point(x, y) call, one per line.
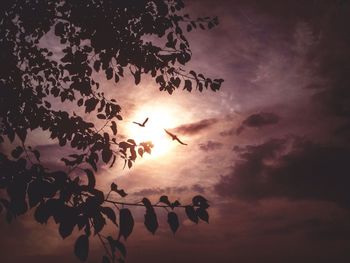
point(141, 124)
point(174, 137)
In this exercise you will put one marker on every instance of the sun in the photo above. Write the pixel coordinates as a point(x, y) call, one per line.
point(159, 117)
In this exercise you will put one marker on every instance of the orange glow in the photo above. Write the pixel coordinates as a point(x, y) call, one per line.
point(160, 118)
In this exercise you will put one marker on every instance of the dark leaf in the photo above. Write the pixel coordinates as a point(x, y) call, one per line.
point(66, 227)
point(91, 178)
point(126, 222)
point(120, 246)
point(137, 76)
point(116, 244)
point(101, 116)
point(191, 214)
point(200, 201)
point(80, 102)
point(106, 155)
point(35, 192)
point(188, 85)
point(81, 248)
point(121, 192)
point(173, 221)
point(175, 204)
point(114, 187)
point(114, 128)
point(98, 222)
point(16, 153)
point(147, 203)
point(109, 213)
point(109, 73)
point(202, 214)
point(164, 199)
point(151, 221)
point(97, 65)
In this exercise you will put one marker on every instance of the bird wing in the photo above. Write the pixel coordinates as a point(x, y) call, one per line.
point(180, 141)
point(172, 135)
point(137, 123)
point(146, 120)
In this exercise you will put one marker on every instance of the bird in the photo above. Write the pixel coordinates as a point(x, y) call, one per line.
point(174, 137)
point(141, 124)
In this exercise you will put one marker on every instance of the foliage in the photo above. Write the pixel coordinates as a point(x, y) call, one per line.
point(95, 37)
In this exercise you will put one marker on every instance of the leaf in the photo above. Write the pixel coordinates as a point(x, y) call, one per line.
point(120, 246)
point(97, 65)
point(35, 192)
point(114, 128)
point(140, 151)
point(126, 222)
point(16, 153)
point(121, 192)
point(113, 161)
point(80, 102)
point(191, 214)
point(200, 201)
point(66, 228)
point(116, 244)
point(114, 187)
point(173, 221)
point(98, 222)
point(147, 203)
point(137, 76)
point(59, 29)
point(164, 199)
point(202, 214)
point(91, 178)
point(109, 213)
point(188, 85)
point(109, 73)
point(175, 204)
point(81, 248)
point(151, 221)
point(101, 116)
point(106, 155)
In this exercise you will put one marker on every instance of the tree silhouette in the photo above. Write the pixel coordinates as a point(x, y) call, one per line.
point(94, 37)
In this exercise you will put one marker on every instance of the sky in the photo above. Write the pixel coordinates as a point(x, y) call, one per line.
point(270, 150)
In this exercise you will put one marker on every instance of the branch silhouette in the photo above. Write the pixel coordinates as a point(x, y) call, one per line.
point(94, 40)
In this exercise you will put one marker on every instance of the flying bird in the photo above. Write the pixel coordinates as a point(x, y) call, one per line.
point(141, 124)
point(174, 137)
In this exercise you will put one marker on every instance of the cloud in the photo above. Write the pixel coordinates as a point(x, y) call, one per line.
point(195, 127)
point(157, 191)
point(289, 168)
point(258, 120)
point(210, 146)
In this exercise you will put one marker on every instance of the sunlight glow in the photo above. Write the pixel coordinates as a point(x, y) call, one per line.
point(160, 118)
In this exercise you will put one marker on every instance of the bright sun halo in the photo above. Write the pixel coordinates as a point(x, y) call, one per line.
point(160, 118)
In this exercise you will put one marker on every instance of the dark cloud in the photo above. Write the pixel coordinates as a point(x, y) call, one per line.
point(157, 191)
point(289, 168)
point(160, 191)
point(210, 146)
point(195, 127)
point(258, 120)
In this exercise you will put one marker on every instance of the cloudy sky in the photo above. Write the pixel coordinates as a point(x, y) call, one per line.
point(270, 150)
